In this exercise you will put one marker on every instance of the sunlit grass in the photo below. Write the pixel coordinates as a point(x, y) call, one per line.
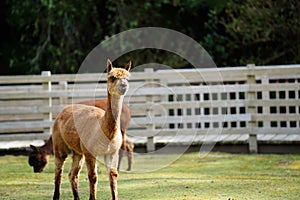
point(216, 176)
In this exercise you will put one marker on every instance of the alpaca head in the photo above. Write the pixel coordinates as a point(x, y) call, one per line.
point(117, 80)
point(37, 159)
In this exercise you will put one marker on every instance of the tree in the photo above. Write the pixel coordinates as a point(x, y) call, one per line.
point(54, 35)
point(58, 35)
point(262, 32)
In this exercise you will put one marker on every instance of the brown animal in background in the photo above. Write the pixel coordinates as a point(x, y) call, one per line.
point(89, 131)
point(39, 156)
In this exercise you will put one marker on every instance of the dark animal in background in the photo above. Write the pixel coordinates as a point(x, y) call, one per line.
point(39, 156)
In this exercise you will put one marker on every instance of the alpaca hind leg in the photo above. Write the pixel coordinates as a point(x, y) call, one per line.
point(130, 148)
point(74, 173)
point(123, 149)
point(111, 162)
point(121, 153)
point(59, 163)
point(130, 160)
point(91, 165)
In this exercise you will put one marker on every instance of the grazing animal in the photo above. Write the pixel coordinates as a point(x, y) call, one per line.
point(89, 131)
point(39, 156)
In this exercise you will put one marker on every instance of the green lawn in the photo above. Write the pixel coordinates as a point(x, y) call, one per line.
point(216, 176)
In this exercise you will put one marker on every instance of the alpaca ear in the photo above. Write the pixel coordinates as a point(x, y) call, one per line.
point(34, 148)
point(109, 66)
point(128, 66)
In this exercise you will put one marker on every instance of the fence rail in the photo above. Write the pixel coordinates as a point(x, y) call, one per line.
point(238, 104)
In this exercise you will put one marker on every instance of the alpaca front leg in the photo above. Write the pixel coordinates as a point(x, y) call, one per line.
point(57, 182)
point(111, 162)
point(59, 163)
point(113, 177)
point(91, 165)
point(74, 173)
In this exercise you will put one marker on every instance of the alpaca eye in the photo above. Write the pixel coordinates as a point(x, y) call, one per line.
point(113, 78)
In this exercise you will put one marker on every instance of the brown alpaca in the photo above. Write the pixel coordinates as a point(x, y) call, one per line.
point(89, 131)
point(39, 156)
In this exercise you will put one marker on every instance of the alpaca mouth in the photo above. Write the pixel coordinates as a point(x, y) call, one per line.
point(123, 89)
point(37, 170)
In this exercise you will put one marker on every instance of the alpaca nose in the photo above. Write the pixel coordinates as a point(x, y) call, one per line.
point(123, 86)
point(124, 83)
point(37, 169)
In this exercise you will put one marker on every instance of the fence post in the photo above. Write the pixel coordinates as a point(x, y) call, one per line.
point(265, 96)
point(47, 102)
point(150, 125)
point(63, 85)
point(251, 109)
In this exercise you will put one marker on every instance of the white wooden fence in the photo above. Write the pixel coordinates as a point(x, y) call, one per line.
point(238, 104)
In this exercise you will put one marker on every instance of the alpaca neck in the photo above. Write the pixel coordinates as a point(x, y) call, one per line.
point(47, 147)
point(111, 122)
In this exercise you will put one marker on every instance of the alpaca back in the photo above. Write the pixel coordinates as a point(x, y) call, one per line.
point(79, 125)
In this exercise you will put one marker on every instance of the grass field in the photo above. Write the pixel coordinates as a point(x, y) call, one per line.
point(216, 176)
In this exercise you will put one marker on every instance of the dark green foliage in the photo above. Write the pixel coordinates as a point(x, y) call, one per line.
point(57, 35)
point(263, 32)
